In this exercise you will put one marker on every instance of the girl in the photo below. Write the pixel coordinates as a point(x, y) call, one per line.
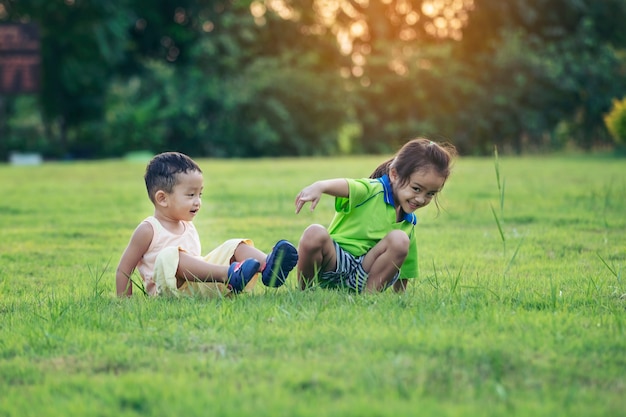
point(370, 244)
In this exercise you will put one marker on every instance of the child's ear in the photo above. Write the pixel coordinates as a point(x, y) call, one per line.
point(160, 198)
point(393, 174)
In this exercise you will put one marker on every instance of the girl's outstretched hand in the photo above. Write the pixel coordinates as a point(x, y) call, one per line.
point(336, 187)
point(312, 193)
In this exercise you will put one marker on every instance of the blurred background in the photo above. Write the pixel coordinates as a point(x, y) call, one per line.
point(87, 79)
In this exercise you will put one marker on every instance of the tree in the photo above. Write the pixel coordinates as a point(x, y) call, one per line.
point(250, 84)
point(259, 77)
point(81, 45)
point(543, 63)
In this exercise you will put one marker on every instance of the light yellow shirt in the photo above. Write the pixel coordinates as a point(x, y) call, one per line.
point(189, 241)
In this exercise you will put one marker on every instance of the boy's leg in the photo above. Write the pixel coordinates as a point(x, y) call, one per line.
point(384, 260)
point(236, 275)
point(245, 251)
point(316, 253)
point(192, 268)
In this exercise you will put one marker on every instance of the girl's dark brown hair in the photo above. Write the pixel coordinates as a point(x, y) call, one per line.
point(418, 155)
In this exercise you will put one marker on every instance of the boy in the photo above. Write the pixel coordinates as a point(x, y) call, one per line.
point(165, 247)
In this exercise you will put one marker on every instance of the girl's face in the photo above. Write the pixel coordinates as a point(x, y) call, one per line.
point(418, 191)
point(184, 202)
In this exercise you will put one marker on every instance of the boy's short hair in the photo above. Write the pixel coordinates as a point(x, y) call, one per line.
point(162, 170)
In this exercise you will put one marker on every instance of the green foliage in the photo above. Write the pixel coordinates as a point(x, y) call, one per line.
point(24, 130)
point(254, 78)
point(544, 64)
point(615, 121)
point(138, 110)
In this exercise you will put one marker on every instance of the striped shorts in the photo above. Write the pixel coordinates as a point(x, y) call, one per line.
point(349, 272)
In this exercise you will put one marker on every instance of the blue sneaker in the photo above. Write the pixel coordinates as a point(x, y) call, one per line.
point(240, 273)
point(280, 262)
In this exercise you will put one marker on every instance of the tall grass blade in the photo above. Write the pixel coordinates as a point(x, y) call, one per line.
point(500, 181)
point(508, 266)
point(495, 216)
point(615, 274)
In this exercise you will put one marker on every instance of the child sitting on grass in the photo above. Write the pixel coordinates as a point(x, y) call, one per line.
point(370, 244)
point(165, 247)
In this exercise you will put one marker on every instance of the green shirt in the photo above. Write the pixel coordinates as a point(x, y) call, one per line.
point(367, 216)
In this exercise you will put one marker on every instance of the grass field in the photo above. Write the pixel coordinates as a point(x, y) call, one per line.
point(520, 308)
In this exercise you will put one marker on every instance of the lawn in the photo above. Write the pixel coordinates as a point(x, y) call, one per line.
point(520, 307)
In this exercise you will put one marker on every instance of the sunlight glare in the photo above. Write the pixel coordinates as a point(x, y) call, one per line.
point(282, 9)
point(350, 24)
point(326, 10)
point(449, 17)
point(357, 71)
point(257, 9)
point(403, 7)
point(407, 34)
point(428, 9)
point(345, 42)
point(412, 18)
point(357, 29)
point(358, 59)
point(398, 66)
point(208, 26)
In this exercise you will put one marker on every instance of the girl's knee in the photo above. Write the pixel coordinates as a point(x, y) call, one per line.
point(398, 242)
point(314, 236)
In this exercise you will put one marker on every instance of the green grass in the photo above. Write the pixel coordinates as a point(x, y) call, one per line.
point(520, 308)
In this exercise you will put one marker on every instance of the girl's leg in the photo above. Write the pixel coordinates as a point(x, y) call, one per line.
point(384, 260)
point(316, 253)
point(191, 268)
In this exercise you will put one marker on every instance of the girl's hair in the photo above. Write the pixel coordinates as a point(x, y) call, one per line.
point(162, 170)
point(418, 155)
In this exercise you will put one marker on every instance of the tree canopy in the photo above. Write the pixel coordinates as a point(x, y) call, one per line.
point(304, 77)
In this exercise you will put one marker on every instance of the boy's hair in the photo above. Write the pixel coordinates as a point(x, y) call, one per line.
point(417, 155)
point(162, 170)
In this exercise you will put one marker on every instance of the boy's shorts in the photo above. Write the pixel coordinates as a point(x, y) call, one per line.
point(166, 266)
point(349, 272)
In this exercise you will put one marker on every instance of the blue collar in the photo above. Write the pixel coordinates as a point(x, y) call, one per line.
point(384, 180)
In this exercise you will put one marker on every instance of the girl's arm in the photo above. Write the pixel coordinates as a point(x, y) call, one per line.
point(336, 187)
point(138, 245)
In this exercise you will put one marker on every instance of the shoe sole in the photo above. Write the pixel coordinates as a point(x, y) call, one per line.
point(284, 257)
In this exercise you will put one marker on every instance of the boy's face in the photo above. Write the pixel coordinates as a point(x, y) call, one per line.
point(185, 200)
point(419, 191)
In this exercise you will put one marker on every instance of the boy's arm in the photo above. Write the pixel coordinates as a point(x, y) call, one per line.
point(138, 245)
point(336, 187)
